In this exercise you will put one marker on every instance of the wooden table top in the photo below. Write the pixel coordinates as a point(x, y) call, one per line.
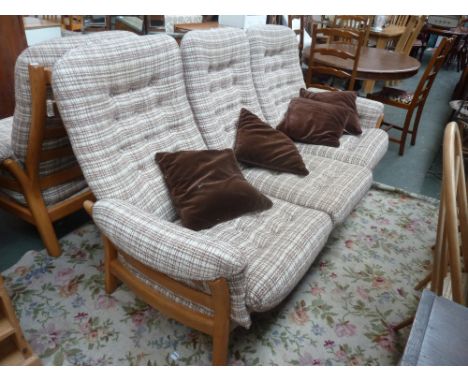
point(390, 31)
point(36, 23)
point(195, 26)
point(374, 63)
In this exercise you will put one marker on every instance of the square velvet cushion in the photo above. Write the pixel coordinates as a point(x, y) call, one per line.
point(313, 122)
point(207, 187)
point(346, 99)
point(260, 145)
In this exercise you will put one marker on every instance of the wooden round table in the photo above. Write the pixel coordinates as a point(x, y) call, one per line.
point(374, 63)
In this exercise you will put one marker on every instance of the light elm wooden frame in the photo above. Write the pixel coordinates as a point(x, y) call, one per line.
point(218, 301)
point(332, 34)
point(25, 177)
point(452, 225)
point(419, 97)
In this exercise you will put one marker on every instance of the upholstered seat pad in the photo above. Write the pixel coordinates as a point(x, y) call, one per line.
point(279, 245)
point(332, 186)
point(363, 150)
point(6, 125)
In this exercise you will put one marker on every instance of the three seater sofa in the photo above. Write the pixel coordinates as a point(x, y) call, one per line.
point(122, 102)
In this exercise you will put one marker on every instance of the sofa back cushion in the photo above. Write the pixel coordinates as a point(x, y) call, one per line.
point(276, 69)
point(219, 82)
point(121, 103)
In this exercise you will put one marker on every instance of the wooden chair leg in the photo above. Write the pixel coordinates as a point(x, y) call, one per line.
point(222, 310)
point(404, 133)
point(43, 223)
point(416, 124)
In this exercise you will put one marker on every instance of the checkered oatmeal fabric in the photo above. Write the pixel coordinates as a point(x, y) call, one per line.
point(121, 103)
point(5, 138)
point(276, 69)
point(365, 150)
point(46, 54)
point(278, 78)
point(140, 108)
point(263, 255)
point(219, 82)
point(332, 186)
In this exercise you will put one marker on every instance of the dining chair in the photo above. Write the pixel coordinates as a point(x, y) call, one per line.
point(337, 37)
point(399, 20)
point(407, 39)
point(299, 32)
point(353, 23)
point(410, 101)
point(452, 226)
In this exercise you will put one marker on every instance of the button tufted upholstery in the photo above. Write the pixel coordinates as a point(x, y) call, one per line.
point(219, 82)
point(278, 78)
point(332, 186)
point(216, 112)
point(46, 54)
point(275, 67)
point(136, 107)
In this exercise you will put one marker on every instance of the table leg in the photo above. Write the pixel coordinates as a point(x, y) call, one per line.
point(368, 86)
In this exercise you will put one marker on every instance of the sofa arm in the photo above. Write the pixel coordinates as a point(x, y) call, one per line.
point(370, 112)
point(171, 249)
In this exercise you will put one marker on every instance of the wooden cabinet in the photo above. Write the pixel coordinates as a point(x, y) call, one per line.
point(12, 43)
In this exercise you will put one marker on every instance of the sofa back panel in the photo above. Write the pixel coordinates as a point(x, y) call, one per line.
point(121, 103)
point(219, 82)
point(275, 68)
point(46, 54)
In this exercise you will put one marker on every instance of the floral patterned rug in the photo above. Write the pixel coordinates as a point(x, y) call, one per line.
point(342, 312)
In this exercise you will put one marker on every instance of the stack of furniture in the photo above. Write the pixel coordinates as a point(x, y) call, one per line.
point(14, 350)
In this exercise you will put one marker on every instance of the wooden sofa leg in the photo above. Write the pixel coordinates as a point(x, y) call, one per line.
point(110, 254)
point(222, 310)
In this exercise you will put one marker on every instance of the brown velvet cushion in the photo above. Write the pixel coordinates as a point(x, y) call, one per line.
point(347, 99)
point(313, 122)
point(258, 144)
point(207, 187)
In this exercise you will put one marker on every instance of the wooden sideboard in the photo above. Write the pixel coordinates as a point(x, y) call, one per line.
point(13, 42)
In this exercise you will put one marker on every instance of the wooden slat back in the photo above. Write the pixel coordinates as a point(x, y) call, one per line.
point(353, 23)
point(433, 67)
point(46, 125)
point(452, 230)
point(333, 34)
point(299, 32)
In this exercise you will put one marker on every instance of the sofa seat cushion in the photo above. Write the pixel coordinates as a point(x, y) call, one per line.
point(279, 244)
point(6, 125)
point(364, 150)
point(332, 186)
